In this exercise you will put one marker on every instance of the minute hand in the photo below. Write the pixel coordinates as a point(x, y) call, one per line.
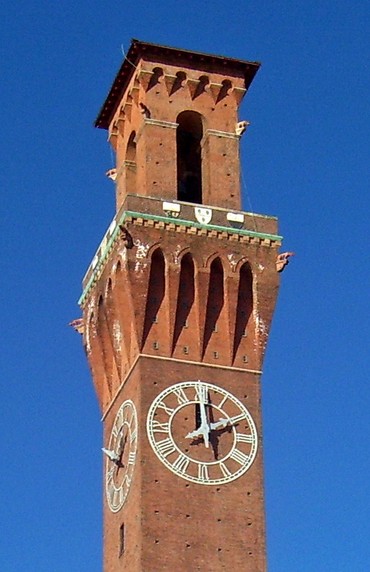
point(226, 421)
point(204, 424)
point(204, 428)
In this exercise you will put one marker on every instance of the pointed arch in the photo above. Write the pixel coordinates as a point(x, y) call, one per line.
point(185, 297)
point(130, 163)
point(215, 300)
point(122, 314)
point(104, 341)
point(244, 305)
point(156, 291)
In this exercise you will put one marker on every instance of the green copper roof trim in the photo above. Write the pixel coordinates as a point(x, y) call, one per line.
point(100, 262)
point(228, 229)
point(176, 221)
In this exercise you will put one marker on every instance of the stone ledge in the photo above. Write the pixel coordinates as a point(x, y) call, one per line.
point(168, 224)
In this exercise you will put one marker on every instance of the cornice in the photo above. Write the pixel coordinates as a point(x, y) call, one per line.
point(172, 224)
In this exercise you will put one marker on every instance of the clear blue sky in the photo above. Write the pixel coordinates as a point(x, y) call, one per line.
point(305, 158)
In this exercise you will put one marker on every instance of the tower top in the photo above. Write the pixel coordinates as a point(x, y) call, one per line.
point(164, 54)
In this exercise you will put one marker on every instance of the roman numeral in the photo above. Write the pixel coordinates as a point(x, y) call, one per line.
point(133, 435)
point(110, 488)
point(116, 429)
point(131, 457)
point(201, 393)
point(168, 410)
point(165, 447)
point(181, 464)
point(222, 402)
point(115, 500)
point(224, 470)
point(237, 418)
point(203, 473)
point(241, 438)
point(121, 495)
point(239, 457)
point(110, 474)
point(181, 396)
point(160, 427)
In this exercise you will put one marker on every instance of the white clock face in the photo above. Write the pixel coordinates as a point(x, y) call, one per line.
point(121, 456)
point(202, 433)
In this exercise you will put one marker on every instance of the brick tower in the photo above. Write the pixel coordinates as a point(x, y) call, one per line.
point(177, 305)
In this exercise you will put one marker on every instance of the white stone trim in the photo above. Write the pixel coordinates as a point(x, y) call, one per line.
point(235, 217)
point(217, 133)
point(160, 123)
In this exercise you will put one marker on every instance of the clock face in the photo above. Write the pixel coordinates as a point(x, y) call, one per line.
point(202, 433)
point(121, 456)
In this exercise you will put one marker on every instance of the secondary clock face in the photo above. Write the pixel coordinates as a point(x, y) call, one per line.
point(121, 456)
point(202, 433)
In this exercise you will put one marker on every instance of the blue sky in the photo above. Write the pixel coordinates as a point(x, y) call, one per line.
point(305, 159)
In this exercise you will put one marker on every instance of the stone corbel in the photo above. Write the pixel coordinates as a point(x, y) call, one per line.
point(120, 121)
point(157, 77)
point(134, 91)
point(226, 89)
point(175, 82)
point(127, 108)
point(78, 325)
point(113, 136)
point(198, 86)
point(215, 89)
point(144, 77)
point(221, 90)
point(238, 93)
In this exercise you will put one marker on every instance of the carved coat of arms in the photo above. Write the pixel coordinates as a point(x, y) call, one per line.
point(203, 215)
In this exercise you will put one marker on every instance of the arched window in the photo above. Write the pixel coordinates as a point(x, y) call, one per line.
point(244, 305)
point(185, 297)
point(130, 162)
point(215, 300)
point(189, 160)
point(156, 291)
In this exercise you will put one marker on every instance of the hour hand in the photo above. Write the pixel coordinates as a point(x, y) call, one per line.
point(219, 424)
point(196, 433)
point(202, 431)
point(112, 455)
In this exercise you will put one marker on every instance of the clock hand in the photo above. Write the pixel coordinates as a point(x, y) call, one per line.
point(112, 455)
point(203, 431)
point(204, 424)
point(204, 428)
point(122, 445)
point(198, 432)
point(222, 422)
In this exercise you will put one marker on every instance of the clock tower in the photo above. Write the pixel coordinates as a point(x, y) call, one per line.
point(177, 304)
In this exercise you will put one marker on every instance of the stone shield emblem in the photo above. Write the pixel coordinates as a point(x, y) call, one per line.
point(203, 215)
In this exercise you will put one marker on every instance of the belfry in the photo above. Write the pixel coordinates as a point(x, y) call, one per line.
point(177, 304)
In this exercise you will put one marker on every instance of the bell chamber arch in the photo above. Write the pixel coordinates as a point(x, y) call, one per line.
point(189, 135)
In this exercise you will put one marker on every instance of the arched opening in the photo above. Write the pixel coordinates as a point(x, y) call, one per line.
point(156, 291)
point(185, 298)
point(215, 300)
point(105, 343)
point(130, 162)
point(244, 305)
point(189, 157)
